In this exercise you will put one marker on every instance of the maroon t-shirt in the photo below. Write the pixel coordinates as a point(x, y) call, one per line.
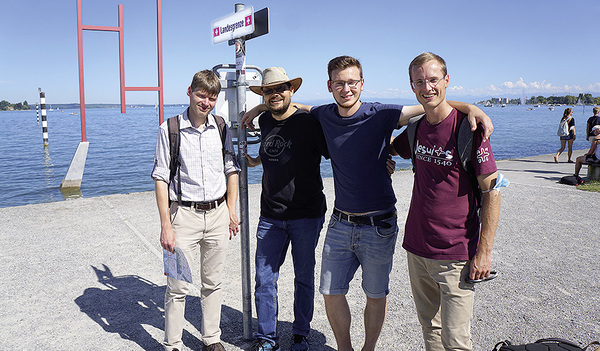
point(442, 222)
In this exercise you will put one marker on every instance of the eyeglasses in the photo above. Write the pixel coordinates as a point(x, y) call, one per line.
point(340, 84)
point(279, 89)
point(420, 83)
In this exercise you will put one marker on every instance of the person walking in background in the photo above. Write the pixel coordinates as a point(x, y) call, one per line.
point(292, 207)
point(591, 122)
point(197, 207)
point(444, 241)
point(569, 137)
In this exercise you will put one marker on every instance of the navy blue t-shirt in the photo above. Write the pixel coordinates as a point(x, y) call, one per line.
point(359, 146)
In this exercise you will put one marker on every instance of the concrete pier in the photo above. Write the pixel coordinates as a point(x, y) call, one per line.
point(74, 176)
point(87, 273)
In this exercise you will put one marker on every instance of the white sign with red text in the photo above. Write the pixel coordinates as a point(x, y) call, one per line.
point(234, 26)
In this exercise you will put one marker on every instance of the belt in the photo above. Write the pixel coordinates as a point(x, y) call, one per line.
point(203, 206)
point(364, 219)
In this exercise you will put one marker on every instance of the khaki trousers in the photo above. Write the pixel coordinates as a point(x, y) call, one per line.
point(208, 232)
point(444, 302)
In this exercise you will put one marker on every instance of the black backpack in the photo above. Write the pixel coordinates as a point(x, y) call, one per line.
point(571, 180)
point(174, 144)
point(550, 344)
point(464, 145)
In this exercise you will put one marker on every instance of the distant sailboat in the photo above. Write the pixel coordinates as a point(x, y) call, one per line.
point(580, 102)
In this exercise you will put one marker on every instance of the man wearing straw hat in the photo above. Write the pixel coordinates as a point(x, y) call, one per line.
point(292, 206)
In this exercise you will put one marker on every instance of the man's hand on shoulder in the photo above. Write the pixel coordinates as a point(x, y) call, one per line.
point(477, 115)
point(250, 115)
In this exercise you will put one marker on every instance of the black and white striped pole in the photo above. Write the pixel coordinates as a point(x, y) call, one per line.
point(37, 113)
point(44, 122)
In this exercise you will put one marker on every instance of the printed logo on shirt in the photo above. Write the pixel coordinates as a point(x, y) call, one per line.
point(483, 155)
point(275, 145)
point(436, 155)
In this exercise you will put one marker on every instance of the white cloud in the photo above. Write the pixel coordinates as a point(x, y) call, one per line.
point(389, 93)
point(520, 87)
point(517, 88)
point(518, 84)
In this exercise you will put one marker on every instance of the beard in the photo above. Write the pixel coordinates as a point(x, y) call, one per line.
point(280, 110)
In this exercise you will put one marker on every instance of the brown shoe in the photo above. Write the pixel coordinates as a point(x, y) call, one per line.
point(214, 347)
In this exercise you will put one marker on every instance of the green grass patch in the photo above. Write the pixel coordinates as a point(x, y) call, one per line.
point(593, 185)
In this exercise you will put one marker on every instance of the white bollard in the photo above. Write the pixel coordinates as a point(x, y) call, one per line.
point(44, 122)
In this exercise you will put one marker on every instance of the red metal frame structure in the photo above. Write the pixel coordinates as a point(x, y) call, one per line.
point(119, 28)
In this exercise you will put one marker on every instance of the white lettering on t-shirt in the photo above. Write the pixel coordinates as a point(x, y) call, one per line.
point(275, 145)
point(436, 155)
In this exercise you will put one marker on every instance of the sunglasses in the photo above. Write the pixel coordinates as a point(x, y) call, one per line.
point(279, 89)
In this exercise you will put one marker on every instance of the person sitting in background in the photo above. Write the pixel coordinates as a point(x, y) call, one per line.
point(593, 154)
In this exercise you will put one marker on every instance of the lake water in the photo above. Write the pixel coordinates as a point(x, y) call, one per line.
point(121, 148)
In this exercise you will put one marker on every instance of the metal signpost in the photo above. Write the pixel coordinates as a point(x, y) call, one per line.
point(237, 28)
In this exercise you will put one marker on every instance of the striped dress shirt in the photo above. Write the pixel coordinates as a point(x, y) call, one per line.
point(203, 172)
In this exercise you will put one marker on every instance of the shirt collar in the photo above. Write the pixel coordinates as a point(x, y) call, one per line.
point(185, 120)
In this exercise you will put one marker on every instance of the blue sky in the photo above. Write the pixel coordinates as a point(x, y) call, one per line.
point(493, 49)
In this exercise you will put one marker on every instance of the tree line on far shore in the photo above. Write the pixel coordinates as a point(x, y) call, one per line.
point(7, 106)
point(585, 99)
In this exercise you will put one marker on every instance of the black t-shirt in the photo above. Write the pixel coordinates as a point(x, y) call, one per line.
point(290, 152)
point(591, 122)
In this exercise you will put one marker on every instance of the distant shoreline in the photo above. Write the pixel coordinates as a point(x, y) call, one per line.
point(76, 106)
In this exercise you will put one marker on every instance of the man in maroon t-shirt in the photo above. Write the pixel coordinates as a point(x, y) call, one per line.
point(442, 235)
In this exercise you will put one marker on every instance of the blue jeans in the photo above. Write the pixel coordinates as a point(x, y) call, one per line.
point(348, 246)
point(272, 240)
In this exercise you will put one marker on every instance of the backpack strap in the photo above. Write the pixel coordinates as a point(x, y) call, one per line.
point(411, 130)
point(223, 132)
point(464, 143)
point(501, 344)
point(227, 144)
point(595, 343)
point(174, 142)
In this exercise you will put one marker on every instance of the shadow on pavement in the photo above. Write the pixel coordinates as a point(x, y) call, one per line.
point(130, 302)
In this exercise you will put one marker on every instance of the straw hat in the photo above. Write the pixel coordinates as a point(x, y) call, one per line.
point(274, 76)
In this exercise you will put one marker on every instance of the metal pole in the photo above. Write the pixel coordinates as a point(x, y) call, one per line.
point(161, 98)
point(80, 60)
point(240, 74)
